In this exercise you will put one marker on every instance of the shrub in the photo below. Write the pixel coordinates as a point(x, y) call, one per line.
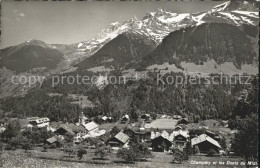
point(178, 156)
point(101, 151)
point(136, 152)
point(80, 153)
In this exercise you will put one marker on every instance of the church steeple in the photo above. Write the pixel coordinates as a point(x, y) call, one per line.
point(82, 118)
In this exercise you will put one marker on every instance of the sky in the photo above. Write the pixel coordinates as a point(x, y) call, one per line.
point(71, 22)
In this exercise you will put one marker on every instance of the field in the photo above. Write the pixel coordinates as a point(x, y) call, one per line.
point(162, 124)
point(46, 159)
point(81, 100)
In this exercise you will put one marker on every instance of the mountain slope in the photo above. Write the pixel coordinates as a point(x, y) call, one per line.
point(157, 25)
point(125, 49)
point(217, 41)
point(29, 55)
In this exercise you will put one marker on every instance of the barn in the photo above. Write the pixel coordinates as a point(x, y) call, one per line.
point(119, 140)
point(205, 143)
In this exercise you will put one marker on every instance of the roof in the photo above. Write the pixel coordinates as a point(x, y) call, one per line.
point(202, 138)
point(186, 119)
point(23, 122)
point(94, 134)
point(182, 133)
point(122, 137)
point(147, 115)
point(90, 126)
point(68, 127)
point(126, 116)
point(52, 139)
point(177, 116)
point(138, 131)
point(170, 136)
point(39, 120)
point(178, 126)
point(163, 134)
point(105, 137)
point(106, 118)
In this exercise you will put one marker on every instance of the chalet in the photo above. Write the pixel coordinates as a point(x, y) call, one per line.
point(138, 135)
point(86, 130)
point(105, 137)
point(184, 121)
point(210, 133)
point(180, 139)
point(38, 122)
point(91, 126)
point(94, 134)
point(54, 140)
point(204, 143)
point(64, 129)
point(125, 119)
point(161, 141)
point(161, 144)
point(119, 140)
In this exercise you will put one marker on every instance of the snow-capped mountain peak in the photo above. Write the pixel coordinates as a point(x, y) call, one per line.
point(220, 7)
point(160, 23)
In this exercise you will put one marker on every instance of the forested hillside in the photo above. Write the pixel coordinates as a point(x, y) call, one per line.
point(218, 41)
point(125, 49)
point(202, 101)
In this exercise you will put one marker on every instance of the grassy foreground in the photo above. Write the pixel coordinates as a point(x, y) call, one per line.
point(18, 158)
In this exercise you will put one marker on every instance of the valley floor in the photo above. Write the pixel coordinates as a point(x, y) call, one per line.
point(56, 159)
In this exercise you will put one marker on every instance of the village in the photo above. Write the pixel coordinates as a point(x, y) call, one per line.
point(162, 134)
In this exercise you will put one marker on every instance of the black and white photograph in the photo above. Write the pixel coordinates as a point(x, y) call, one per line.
point(129, 83)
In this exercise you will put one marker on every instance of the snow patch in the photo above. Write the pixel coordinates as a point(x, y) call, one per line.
point(79, 45)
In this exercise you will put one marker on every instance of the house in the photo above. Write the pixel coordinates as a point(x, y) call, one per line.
point(204, 143)
point(54, 140)
point(85, 130)
point(125, 119)
point(176, 117)
point(94, 134)
point(120, 140)
point(105, 137)
point(161, 141)
point(138, 135)
point(38, 122)
point(210, 133)
point(91, 126)
point(65, 128)
point(90, 129)
point(177, 128)
point(184, 121)
point(180, 139)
